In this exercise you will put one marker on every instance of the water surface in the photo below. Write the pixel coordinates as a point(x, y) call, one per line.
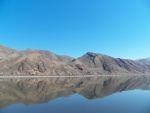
point(114, 94)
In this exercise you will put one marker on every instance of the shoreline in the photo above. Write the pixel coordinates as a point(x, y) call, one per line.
point(65, 76)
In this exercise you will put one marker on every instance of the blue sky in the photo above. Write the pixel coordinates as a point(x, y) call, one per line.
point(119, 28)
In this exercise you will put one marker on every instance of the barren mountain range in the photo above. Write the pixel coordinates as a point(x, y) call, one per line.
point(41, 62)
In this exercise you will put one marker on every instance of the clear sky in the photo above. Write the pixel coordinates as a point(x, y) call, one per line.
point(119, 28)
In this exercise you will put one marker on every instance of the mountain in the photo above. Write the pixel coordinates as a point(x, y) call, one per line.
point(41, 90)
point(145, 61)
point(108, 65)
point(41, 62)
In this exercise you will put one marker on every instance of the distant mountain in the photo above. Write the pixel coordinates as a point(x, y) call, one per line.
point(108, 65)
point(145, 61)
point(41, 62)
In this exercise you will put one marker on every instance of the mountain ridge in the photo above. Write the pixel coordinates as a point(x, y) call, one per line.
point(43, 62)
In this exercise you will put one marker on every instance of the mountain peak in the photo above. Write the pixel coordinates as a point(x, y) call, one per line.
point(6, 50)
point(30, 49)
point(3, 47)
point(147, 58)
point(92, 53)
point(145, 61)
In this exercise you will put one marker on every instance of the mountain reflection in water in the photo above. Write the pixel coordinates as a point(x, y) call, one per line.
point(40, 91)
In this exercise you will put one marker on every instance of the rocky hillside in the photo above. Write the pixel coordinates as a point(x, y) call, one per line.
point(109, 65)
point(40, 62)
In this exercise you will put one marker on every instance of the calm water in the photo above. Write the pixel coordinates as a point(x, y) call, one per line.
point(128, 94)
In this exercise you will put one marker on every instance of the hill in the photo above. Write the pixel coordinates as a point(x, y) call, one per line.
point(41, 62)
